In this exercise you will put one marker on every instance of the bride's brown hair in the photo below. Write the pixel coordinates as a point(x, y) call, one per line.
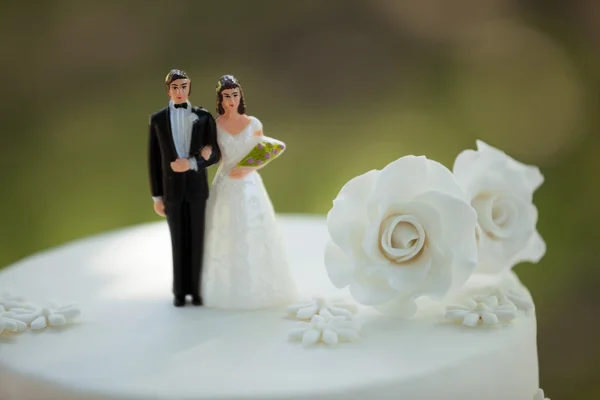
point(229, 82)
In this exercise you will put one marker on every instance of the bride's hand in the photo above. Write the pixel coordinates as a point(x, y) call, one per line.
point(206, 152)
point(239, 173)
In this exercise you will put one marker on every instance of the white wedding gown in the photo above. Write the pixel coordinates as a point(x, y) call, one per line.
point(245, 261)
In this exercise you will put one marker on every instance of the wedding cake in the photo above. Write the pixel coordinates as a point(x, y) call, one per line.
point(405, 292)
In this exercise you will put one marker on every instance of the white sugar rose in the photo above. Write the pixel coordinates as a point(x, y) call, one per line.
point(401, 233)
point(501, 191)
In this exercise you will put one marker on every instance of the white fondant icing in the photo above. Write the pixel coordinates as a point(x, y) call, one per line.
point(131, 343)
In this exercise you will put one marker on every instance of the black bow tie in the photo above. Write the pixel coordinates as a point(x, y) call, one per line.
point(182, 105)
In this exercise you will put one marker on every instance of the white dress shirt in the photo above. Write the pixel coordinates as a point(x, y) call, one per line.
point(182, 120)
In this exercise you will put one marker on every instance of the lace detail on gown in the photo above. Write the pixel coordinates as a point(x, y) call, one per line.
point(245, 259)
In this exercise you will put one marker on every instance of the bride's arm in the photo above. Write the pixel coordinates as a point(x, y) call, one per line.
point(240, 172)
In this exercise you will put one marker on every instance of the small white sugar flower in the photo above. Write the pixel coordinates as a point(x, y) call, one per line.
point(540, 395)
point(508, 294)
point(53, 315)
point(320, 306)
point(327, 330)
point(485, 310)
point(9, 301)
point(521, 301)
point(518, 298)
point(8, 323)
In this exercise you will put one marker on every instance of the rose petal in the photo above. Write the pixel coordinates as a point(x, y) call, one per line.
point(525, 244)
point(531, 173)
point(489, 166)
point(518, 228)
point(338, 265)
point(456, 230)
point(347, 220)
point(497, 178)
point(397, 234)
point(466, 168)
point(532, 252)
point(409, 276)
point(396, 178)
point(490, 259)
point(358, 189)
point(346, 228)
point(429, 218)
point(370, 244)
point(370, 290)
point(410, 176)
point(439, 280)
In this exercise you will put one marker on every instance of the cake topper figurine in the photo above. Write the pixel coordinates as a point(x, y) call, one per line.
point(182, 144)
point(245, 262)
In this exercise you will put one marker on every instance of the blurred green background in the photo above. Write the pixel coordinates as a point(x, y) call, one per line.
point(354, 84)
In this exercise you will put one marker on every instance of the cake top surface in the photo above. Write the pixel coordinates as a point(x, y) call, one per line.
point(131, 342)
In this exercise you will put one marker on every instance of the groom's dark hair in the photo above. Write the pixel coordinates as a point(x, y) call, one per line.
point(175, 74)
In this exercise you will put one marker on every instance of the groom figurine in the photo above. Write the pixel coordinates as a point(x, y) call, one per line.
point(182, 144)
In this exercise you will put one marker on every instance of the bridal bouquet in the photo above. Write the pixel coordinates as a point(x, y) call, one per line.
point(264, 151)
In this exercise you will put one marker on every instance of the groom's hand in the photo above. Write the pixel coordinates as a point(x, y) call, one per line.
point(180, 165)
point(159, 207)
point(206, 152)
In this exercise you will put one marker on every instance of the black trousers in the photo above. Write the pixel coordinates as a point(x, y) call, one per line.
point(186, 223)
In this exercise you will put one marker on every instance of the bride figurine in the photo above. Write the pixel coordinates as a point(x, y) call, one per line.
point(245, 261)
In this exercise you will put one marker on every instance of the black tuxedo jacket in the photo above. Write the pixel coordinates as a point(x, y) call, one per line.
point(177, 186)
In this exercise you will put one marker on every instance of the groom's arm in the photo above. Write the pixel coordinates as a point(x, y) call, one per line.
point(154, 162)
point(210, 135)
point(208, 138)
